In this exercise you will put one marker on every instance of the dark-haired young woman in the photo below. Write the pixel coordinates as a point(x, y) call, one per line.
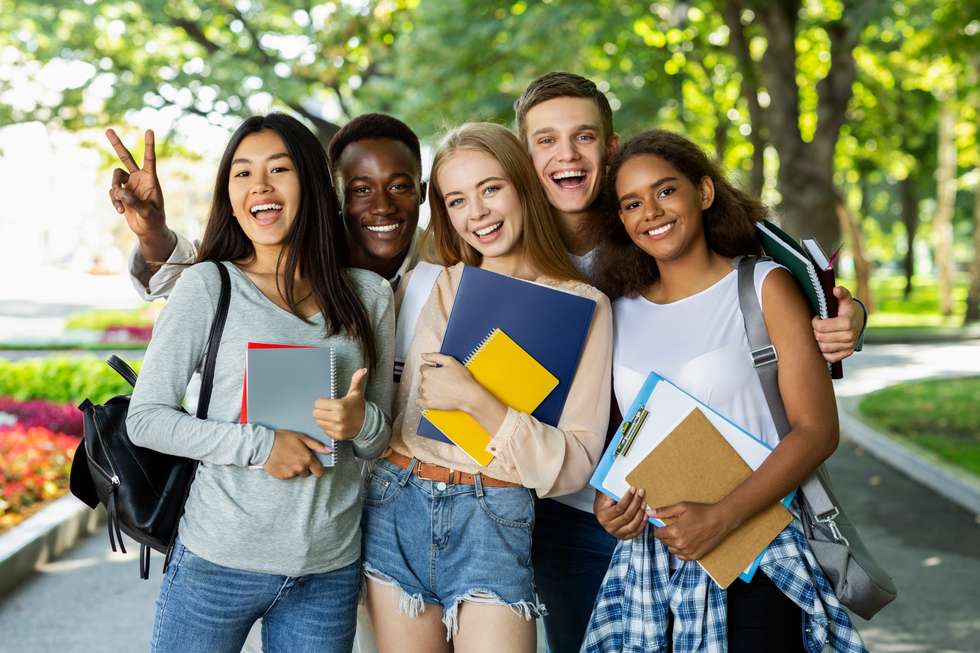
point(667, 256)
point(281, 543)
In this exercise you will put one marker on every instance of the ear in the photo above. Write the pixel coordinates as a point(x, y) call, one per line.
point(423, 188)
point(707, 191)
point(612, 146)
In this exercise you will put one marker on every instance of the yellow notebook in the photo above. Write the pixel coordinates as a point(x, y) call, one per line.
point(511, 375)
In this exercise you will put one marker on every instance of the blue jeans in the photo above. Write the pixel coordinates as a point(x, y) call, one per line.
point(442, 544)
point(571, 555)
point(207, 608)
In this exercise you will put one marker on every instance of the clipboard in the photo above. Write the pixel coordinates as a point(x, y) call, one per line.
point(658, 408)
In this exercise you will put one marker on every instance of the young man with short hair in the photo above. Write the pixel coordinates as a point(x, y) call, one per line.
point(567, 124)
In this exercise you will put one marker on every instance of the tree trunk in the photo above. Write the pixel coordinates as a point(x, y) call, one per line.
point(749, 88)
point(973, 295)
point(806, 170)
point(945, 204)
point(910, 218)
point(851, 226)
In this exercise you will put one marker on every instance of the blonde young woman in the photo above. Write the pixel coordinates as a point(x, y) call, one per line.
point(447, 544)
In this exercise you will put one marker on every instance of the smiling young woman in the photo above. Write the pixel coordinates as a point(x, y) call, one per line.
point(452, 560)
point(280, 543)
point(666, 257)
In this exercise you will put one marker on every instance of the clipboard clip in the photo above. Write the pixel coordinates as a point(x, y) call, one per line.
point(630, 429)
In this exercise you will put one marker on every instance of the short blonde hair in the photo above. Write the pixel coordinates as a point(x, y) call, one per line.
point(542, 243)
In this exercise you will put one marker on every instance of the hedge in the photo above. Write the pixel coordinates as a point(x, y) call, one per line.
point(62, 379)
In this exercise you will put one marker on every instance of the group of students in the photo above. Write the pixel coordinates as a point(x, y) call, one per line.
point(452, 556)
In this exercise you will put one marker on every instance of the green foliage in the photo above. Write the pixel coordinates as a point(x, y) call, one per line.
point(62, 379)
point(941, 415)
point(100, 319)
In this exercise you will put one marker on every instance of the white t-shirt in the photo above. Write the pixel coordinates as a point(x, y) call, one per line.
point(699, 344)
point(582, 500)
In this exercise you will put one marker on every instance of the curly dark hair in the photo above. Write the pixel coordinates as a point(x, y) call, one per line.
point(621, 268)
point(373, 125)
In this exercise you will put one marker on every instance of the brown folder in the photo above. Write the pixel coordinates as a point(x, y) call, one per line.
point(696, 463)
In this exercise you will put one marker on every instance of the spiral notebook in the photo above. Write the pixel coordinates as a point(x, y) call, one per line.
point(282, 382)
point(549, 323)
point(511, 375)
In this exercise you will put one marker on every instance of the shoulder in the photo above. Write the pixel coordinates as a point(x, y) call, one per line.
point(200, 277)
point(583, 290)
point(780, 295)
point(371, 287)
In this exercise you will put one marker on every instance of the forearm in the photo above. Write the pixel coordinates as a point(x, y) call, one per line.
point(551, 460)
point(370, 443)
point(166, 429)
point(157, 246)
point(790, 463)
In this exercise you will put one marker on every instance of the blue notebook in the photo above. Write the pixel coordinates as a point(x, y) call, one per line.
point(549, 324)
point(657, 408)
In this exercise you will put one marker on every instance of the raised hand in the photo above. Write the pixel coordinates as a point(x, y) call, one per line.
point(136, 193)
point(837, 336)
point(342, 419)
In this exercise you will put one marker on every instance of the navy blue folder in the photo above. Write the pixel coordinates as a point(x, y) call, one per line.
point(549, 324)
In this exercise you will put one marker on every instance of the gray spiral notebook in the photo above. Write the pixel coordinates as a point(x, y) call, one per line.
point(282, 382)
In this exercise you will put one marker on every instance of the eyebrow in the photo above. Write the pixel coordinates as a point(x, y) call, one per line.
point(278, 155)
point(655, 184)
point(390, 177)
point(581, 127)
point(477, 185)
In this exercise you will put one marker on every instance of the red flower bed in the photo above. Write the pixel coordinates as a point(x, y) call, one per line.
point(127, 333)
point(34, 466)
point(54, 417)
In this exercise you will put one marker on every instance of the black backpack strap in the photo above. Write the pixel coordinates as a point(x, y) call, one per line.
point(123, 369)
point(214, 339)
point(204, 397)
point(764, 359)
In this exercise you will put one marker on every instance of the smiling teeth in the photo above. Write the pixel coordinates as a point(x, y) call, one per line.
point(568, 174)
point(661, 230)
point(383, 228)
point(266, 207)
point(489, 230)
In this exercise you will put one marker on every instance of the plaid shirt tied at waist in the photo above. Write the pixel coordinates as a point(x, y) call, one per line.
point(630, 614)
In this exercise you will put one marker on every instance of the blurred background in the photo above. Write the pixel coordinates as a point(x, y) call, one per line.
point(856, 121)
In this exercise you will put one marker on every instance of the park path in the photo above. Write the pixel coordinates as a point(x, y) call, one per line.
point(92, 600)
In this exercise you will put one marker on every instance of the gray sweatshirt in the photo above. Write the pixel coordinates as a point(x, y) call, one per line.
point(240, 517)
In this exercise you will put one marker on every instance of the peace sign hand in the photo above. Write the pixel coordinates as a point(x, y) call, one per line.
point(136, 191)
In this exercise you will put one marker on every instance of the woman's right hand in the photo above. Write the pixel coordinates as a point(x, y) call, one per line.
point(623, 519)
point(294, 454)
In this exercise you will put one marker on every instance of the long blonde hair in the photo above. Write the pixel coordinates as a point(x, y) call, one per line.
point(541, 242)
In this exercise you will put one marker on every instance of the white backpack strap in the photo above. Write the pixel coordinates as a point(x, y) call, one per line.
point(420, 284)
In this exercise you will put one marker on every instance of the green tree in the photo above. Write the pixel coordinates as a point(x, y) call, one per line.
point(213, 58)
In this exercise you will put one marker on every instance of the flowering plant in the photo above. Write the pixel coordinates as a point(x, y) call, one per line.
point(34, 466)
point(55, 417)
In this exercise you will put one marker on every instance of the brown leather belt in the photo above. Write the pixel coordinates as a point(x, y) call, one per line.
point(431, 472)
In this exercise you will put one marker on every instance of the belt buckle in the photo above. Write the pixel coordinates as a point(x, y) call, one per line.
point(449, 481)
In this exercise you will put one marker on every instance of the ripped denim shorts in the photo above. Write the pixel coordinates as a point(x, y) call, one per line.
point(442, 544)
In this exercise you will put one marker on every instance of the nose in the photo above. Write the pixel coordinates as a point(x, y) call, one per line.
point(382, 204)
point(260, 183)
point(478, 209)
point(567, 150)
point(652, 208)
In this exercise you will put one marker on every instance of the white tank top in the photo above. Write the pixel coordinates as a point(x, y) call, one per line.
point(699, 344)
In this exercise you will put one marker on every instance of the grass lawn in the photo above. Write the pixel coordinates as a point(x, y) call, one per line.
point(941, 415)
point(922, 308)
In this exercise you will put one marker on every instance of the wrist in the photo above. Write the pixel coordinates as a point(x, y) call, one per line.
point(157, 244)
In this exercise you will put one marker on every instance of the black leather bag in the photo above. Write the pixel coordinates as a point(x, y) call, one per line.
point(143, 490)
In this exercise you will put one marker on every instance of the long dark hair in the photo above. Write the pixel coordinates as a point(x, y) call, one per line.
point(621, 268)
point(314, 246)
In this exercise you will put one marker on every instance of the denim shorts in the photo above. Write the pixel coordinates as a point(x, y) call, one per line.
point(442, 544)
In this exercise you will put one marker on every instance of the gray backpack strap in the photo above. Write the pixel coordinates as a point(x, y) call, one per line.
point(417, 292)
point(764, 358)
